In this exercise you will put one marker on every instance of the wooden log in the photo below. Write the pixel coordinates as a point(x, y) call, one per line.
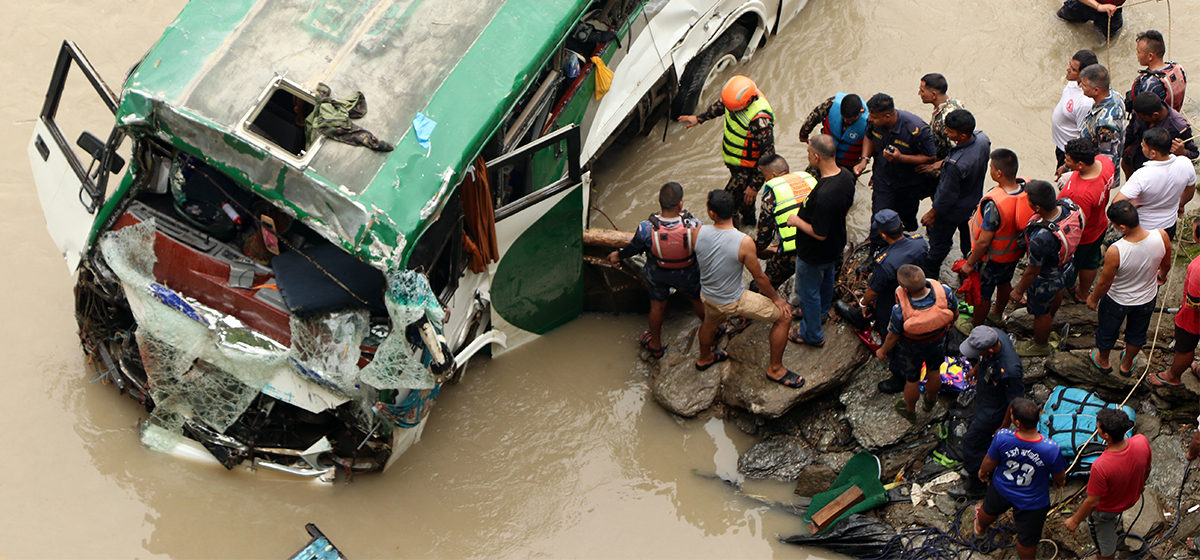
point(611, 238)
point(833, 510)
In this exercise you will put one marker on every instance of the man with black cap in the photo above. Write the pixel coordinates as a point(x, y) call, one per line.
point(901, 249)
point(998, 380)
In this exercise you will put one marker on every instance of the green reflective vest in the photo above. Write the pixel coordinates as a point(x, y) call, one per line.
point(790, 190)
point(738, 149)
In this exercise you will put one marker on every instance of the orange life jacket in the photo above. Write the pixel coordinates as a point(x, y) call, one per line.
point(929, 324)
point(1014, 215)
point(671, 247)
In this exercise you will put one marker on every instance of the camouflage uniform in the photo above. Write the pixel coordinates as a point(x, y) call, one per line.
point(816, 118)
point(942, 143)
point(780, 266)
point(762, 131)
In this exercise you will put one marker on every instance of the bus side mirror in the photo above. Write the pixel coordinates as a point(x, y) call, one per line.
point(93, 146)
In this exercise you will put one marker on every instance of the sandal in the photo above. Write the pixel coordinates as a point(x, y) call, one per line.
point(795, 336)
point(644, 340)
point(902, 409)
point(790, 379)
point(1156, 380)
point(1131, 368)
point(718, 357)
point(1106, 370)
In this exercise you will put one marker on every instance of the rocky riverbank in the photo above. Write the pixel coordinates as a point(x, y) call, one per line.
point(808, 434)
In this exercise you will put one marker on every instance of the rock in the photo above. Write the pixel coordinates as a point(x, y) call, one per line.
point(814, 479)
point(1039, 393)
point(746, 385)
point(835, 461)
point(1149, 521)
point(1034, 369)
point(1076, 365)
point(1071, 544)
point(1083, 341)
point(1077, 315)
point(779, 457)
point(904, 515)
point(945, 504)
point(876, 424)
point(1148, 425)
point(1169, 457)
point(898, 460)
point(675, 383)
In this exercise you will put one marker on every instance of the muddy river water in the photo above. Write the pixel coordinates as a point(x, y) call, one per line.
point(556, 450)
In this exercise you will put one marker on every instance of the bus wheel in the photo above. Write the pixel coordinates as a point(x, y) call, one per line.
point(707, 66)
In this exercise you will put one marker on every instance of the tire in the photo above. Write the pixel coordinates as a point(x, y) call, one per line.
point(729, 47)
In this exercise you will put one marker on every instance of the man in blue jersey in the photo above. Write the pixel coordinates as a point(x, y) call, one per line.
point(1018, 468)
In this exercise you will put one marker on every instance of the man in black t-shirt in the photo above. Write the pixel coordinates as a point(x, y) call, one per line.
point(822, 238)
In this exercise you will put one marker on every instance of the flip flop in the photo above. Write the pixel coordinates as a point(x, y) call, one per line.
point(1106, 370)
point(790, 379)
point(795, 336)
point(644, 340)
point(718, 357)
point(1131, 368)
point(1156, 380)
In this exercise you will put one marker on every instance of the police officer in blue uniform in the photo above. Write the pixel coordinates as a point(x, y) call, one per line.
point(897, 141)
point(901, 249)
point(998, 380)
point(960, 187)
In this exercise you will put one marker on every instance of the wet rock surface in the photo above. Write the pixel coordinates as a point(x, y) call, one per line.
point(676, 384)
point(1077, 367)
point(780, 457)
point(876, 423)
point(814, 479)
point(1169, 454)
point(1081, 319)
point(823, 369)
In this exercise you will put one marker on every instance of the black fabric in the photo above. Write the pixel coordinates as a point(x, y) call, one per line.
point(857, 536)
point(308, 290)
point(826, 210)
point(1029, 522)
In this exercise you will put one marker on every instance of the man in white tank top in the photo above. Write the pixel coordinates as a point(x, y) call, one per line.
point(722, 251)
point(1134, 268)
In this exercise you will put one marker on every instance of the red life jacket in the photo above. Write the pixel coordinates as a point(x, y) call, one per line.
point(1068, 230)
point(929, 324)
point(671, 247)
point(1174, 81)
point(1014, 216)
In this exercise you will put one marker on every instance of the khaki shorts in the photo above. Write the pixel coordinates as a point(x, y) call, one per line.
point(752, 305)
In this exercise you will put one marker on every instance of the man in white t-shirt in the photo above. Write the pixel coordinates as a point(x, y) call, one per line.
point(1162, 186)
point(1068, 115)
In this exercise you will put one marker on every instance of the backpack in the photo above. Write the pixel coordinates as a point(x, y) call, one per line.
point(1068, 230)
point(1174, 81)
point(672, 247)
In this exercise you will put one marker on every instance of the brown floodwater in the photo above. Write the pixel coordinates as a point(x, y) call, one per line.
point(554, 450)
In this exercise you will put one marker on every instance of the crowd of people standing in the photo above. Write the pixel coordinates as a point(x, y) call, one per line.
point(1060, 230)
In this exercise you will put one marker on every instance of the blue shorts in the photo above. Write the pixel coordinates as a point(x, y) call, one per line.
point(992, 274)
point(659, 281)
point(1039, 299)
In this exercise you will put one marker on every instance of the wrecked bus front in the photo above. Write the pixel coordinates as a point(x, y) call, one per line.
point(327, 207)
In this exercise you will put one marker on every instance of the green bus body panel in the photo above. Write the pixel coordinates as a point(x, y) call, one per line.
point(553, 246)
point(383, 219)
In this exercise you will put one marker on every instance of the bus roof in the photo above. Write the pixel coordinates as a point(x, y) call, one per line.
point(462, 64)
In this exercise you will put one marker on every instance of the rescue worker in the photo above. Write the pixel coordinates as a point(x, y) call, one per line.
point(669, 240)
point(1105, 123)
point(901, 249)
point(848, 131)
point(1164, 79)
point(960, 187)
point(1149, 112)
point(932, 91)
point(749, 135)
point(783, 194)
point(924, 312)
point(998, 373)
point(996, 229)
point(1052, 237)
point(898, 142)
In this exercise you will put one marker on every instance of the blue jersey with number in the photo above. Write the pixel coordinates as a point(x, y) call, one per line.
point(1023, 476)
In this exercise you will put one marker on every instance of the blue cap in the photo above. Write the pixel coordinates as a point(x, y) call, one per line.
point(886, 219)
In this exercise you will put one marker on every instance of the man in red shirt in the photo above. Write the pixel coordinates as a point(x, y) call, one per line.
point(1088, 186)
point(1116, 482)
point(1187, 329)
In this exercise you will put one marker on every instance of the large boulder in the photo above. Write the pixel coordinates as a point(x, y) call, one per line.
point(876, 423)
point(814, 479)
point(1168, 460)
point(1077, 315)
point(1076, 365)
point(746, 386)
point(674, 382)
point(780, 457)
point(1148, 517)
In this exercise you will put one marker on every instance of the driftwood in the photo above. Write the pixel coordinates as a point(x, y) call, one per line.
point(610, 238)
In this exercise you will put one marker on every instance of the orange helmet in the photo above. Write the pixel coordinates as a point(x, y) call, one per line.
point(738, 92)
